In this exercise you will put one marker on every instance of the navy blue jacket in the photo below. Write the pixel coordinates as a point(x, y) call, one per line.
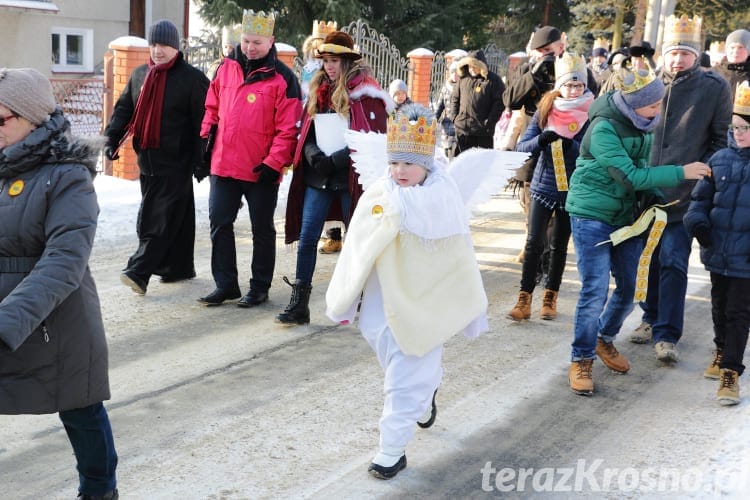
point(723, 202)
point(543, 182)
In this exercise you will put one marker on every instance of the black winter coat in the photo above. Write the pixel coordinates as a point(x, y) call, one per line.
point(477, 101)
point(53, 353)
point(182, 113)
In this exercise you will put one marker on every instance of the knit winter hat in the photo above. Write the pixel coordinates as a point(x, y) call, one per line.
point(28, 93)
point(570, 67)
point(739, 36)
point(412, 134)
point(544, 36)
point(164, 32)
point(397, 85)
point(640, 87)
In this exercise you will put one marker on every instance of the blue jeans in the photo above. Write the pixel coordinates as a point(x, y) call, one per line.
point(90, 435)
point(664, 308)
point(595, 263)
point(223, 204)
point(314, 212)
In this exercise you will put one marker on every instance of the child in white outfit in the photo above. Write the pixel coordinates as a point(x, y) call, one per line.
point(410, 258)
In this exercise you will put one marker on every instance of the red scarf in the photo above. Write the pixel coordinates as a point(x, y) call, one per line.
point(146, 123)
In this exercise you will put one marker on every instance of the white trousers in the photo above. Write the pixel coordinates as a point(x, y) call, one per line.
point(410, 381)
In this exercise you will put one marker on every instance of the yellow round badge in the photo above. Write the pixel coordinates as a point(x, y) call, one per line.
point(573, 126)
point(251, 98)
point(377, 211)
point(16, 188)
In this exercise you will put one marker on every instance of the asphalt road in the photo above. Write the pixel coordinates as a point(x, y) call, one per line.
point(222, 403)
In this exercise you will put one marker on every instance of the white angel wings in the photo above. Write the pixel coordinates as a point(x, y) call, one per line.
point(479, 173)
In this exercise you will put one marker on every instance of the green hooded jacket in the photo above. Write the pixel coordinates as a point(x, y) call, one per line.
point(612, 168)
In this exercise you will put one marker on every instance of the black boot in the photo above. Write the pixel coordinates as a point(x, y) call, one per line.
point(297, 312)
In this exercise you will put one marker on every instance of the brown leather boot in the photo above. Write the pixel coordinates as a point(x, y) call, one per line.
point(611, 357)
point(522, 309)
point(579, 377)
point(549, 305)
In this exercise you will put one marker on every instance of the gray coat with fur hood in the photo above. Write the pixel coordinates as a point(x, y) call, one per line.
point(53, 353)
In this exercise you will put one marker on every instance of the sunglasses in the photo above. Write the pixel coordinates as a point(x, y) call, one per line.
point(4, 119)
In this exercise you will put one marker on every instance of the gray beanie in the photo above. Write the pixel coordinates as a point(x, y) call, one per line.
point(28, 93)
point(739, 36)
point(397, 85)
point(164, 32)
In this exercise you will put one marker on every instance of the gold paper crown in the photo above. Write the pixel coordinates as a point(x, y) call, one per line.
point(717, 47)
point(683, 30)
point(742, 99)
point(231, 34)
point(601, 43)
point(322, 29)
point(632, 80)
point(258, 23)
point(414, 137)
point(571, 64)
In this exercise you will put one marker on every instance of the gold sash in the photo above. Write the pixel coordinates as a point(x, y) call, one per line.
point(658, 216)
point(558, 161)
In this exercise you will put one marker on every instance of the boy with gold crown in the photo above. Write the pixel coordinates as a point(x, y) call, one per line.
point(717, 217)
point(611, 169)
point(409, 256)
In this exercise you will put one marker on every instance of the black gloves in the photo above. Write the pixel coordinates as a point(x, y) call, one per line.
point(702, 233)
point(544, 68)
point(111, 152)
point(266, 175)
point(341, 158)
point(325, 165)
point(201, 171)
point(547, 137)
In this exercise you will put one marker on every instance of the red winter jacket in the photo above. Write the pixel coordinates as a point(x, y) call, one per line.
point(256, 116)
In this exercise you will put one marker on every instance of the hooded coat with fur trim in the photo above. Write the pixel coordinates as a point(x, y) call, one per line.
point(53, 352)
point(477, 101)
point(369, 107)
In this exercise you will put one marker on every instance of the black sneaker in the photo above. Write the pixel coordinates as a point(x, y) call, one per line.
point(382, 472)
point(174, 278)
point(112, 495)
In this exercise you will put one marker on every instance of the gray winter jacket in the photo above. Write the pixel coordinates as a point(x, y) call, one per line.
point(696, 111)
point(53, 352)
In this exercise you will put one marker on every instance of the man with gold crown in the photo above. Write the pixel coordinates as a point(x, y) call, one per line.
point(695, 114)
point(252, 108)
point(409, 261)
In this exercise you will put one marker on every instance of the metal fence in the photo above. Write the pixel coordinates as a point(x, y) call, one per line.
point(202, 51)
point(81, 100)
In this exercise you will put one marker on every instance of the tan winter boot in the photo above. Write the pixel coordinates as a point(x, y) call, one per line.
point(713, 370)
point(579, 376)
point(522, 309)
point(611, 358)
point(549, 305)
point(729, 388)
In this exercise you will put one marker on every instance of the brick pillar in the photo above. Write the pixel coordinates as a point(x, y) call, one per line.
point(127, 53)
point(286, 54)
point(420, 75)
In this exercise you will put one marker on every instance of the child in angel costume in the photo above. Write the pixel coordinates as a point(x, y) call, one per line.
point(409, 265)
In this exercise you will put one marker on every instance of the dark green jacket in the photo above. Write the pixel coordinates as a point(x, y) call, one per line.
point(612, 167)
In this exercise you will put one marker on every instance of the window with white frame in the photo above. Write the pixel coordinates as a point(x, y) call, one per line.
point(72, 50)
